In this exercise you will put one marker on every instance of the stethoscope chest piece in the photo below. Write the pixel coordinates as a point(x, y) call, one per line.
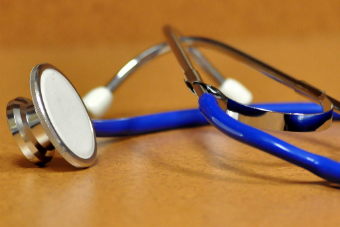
point(55, 119)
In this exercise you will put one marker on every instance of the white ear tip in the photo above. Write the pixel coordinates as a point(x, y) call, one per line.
point(98, 101)
point(236, 91)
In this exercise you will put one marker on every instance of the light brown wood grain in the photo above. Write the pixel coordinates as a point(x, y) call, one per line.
point(45, 23)
point(185, 177)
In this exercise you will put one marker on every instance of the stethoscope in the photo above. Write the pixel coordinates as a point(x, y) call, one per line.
point(56, 118)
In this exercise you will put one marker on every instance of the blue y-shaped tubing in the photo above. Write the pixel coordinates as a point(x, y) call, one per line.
point(182, 119)
point(321, 166)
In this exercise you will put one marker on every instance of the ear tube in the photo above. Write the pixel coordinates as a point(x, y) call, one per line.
point(99, 100)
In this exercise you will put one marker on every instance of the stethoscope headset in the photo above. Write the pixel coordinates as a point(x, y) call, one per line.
point(57, 119)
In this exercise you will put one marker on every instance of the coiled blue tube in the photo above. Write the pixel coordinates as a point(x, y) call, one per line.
point(183, 118)
point(321, 166)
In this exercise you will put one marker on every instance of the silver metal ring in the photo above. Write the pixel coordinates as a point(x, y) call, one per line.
point(255, 117)
point(34, 124)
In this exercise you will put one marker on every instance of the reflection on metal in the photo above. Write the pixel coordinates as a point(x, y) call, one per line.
point(252, 116)
point(33, 130)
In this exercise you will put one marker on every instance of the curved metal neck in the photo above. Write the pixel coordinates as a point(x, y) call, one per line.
point(155, 51)
point(299, 86)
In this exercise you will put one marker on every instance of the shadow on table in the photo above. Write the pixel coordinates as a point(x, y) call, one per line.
point(221, 163)
point(58, 164)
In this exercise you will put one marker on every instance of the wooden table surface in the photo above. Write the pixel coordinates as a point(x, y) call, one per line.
point(185, 177)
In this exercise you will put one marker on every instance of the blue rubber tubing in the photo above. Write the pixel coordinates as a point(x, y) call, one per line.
point(321, 166)
point(182, 119)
